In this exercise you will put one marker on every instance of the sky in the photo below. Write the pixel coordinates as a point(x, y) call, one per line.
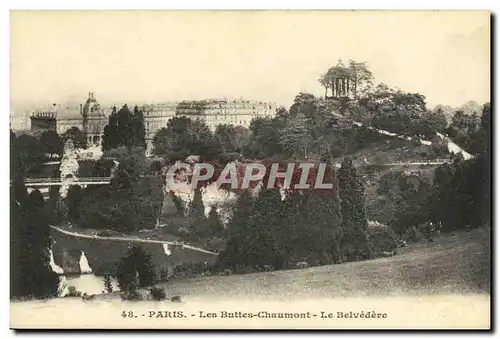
point(160, 56)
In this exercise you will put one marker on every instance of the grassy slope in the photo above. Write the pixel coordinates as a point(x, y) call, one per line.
point(454, 264)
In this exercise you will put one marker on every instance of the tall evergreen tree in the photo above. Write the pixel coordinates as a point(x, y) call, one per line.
point(354, 241)
point(135, 269)
point(73, 202)
point(110, 137)
point(295, 138)
point(125, 127)
point(197, 208)
point(139, 130)
point(51, 143)
point(215, 227)
point(31, 275)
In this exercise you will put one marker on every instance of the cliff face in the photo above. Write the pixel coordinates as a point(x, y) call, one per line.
point(103, 255)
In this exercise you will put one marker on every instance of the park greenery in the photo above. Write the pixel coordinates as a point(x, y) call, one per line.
point(267, 230)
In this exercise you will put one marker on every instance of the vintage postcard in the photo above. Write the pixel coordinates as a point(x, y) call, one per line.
point(250, 170)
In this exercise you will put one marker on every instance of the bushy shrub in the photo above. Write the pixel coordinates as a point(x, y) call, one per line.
point(107, 283)
point(131, 295)
point(382, 237)
point(73, 292)
point(157, 293)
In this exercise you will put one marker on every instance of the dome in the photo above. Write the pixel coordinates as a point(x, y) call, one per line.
point(91, 106)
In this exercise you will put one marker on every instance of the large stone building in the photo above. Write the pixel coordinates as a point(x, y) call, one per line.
point(216, 112)
point(94, 120)
point(44, 120)
point(156, 117)
point(91, 118)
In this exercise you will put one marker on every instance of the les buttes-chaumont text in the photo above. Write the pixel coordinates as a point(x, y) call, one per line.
point(271, 315)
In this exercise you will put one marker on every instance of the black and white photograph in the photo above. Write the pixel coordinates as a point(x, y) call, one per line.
point(237, 169)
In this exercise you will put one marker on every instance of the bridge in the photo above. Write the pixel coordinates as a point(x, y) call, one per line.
point(29, 182)
point(416, 163)
point(134, 240)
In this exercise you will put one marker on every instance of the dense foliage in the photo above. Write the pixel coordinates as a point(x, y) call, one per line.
point(124, 129)
point(130, 202)
point(30, 272)
point(135, 270)
point(185, 137)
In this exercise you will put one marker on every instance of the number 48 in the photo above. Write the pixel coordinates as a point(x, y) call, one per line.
point(128, 314)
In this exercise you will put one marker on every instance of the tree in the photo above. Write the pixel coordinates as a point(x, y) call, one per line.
point(161, 142)
point(139, 130)
point(397, 111)
point(412, 204)
point(51, 143)
point(54, 208)
point(31, 275)
point(271, 231)
point(131, 165)
point(110, 138)
point(107, 283)
point(30, 152)
point(437, 120)
point(462, 197)
point(215, 226)
point(186, 137)
point(73, 202)
point(131, 201)
point(237, 228)
point(124, 129)
point(486, 118)
point(135, 269)
point(360, 78)
point(196, 207)
point(306, 104)
point(354, 224)
point(75, 134)
point(253, 241)
point(295, 137)
point(231, 138)
point(265, 139)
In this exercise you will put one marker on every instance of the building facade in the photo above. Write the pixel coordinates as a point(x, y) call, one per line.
point(91, 118)
point(94, 120)
point(214, 112)
point(64, 124)
point(156, 117)
point(44, 119)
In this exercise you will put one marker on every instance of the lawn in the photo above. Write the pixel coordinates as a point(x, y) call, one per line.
point(453, 264)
